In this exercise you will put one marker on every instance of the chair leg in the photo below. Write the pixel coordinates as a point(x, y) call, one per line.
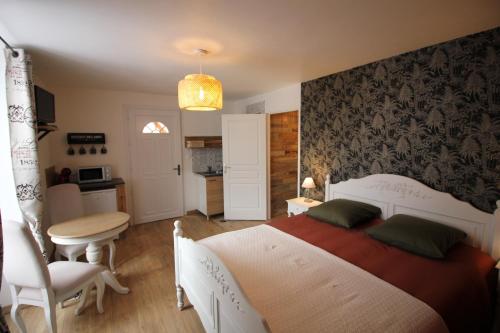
point(14, 310)
point(16, 318)
point(72, 257)
point(58, 257)
point(112, 251)
point(99, 283)
point(180, 297)
point(49, 308)
point(83, 299)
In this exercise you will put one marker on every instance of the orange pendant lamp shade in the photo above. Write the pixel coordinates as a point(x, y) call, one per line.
point(200, 92)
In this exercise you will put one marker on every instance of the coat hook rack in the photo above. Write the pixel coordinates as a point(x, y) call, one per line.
point(83, 139)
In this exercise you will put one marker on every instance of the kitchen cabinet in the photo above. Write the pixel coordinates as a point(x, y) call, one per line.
point(100, 201)
point(103, 197)
point(211, 200)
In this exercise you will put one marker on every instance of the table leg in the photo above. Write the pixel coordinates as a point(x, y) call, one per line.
point(93, 253)
point(94, 256)
point(111, 280)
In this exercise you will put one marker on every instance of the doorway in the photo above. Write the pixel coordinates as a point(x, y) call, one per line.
point(156, 164)
point(284, 138)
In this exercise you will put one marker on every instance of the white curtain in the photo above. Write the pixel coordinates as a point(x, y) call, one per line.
point(23, 141)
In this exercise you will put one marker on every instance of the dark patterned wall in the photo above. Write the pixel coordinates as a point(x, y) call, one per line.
point(432, 114)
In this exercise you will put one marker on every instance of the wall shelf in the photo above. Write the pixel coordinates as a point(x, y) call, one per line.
point(43, 130)
point(203, 141)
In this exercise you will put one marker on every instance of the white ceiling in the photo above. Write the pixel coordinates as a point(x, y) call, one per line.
point(258, 45)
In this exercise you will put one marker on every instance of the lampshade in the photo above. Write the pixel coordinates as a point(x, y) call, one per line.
point(308, 183)
point(200, 92)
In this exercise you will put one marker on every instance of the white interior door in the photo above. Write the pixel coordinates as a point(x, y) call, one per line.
point(244, 143)
point(156, 164)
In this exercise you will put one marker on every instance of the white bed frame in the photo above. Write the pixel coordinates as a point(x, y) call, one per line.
point(395, 194)
point(222, 304)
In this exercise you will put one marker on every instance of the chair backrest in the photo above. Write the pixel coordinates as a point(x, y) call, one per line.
point(24, 265)
point(64, 203)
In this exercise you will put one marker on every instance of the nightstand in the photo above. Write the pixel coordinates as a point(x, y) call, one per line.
point(298, 205)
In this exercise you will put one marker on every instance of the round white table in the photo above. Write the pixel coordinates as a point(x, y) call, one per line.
point(94, 230)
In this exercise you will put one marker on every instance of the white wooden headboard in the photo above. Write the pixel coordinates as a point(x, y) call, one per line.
point(402, 195)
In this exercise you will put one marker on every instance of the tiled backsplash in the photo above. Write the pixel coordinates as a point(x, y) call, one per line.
point(205, 157)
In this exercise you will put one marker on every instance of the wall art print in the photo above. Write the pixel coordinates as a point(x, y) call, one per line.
point(23, 142)
point(431, 114)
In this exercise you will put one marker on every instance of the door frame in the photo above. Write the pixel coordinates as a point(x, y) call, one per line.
point(145, 110)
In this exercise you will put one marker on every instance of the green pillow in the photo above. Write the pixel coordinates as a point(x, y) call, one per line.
point(344, 213)
point(417, 235)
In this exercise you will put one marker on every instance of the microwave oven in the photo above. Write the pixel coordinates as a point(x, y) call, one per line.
point(94, 174)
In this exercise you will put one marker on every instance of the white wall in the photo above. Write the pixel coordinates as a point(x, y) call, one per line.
point(88, 110)
point(280, 100)
point(230, 106)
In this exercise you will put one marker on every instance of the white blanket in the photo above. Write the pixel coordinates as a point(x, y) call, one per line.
point(298, 287)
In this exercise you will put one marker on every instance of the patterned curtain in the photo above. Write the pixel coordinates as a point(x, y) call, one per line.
point(3, 324)
point(23, 141)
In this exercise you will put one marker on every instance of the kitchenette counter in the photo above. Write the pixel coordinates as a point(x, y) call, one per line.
point(113, 183)
point(95, 195)
point(209, 174)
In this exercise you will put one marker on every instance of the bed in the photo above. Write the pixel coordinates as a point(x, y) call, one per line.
point(456, 295)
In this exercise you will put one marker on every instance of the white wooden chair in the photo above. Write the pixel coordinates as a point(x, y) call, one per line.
point(64, 204)
point(33, 282)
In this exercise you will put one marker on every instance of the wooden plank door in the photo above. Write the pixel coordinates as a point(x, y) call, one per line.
point(284, 137)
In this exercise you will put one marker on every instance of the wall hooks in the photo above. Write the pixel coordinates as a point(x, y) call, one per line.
point(84, 139)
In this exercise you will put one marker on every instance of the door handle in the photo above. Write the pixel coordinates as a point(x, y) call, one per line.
point(178, 169)
point(226, 167)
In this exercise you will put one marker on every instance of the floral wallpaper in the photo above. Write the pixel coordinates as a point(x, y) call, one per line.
point(431, 114)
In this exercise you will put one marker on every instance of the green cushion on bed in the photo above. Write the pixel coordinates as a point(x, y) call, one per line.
point(417, 235)
point(344, 213)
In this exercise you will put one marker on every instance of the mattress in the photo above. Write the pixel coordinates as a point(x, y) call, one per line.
point(460, 288)
point(298, 287)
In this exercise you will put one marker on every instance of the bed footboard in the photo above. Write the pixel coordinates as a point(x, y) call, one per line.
point(213, 291)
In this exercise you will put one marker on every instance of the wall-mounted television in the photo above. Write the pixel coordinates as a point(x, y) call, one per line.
point(45, 106)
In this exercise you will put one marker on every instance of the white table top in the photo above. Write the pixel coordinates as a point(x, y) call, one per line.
point(89, 225)
point(301, 201)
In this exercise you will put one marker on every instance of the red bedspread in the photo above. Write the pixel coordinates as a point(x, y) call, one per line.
point(460, 288)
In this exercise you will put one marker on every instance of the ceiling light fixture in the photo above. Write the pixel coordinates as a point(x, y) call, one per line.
point(200, 92)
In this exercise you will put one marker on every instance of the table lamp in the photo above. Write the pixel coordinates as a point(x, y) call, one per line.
point(308, 184)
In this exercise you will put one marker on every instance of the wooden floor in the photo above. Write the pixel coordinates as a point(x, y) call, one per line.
point(145, 264)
